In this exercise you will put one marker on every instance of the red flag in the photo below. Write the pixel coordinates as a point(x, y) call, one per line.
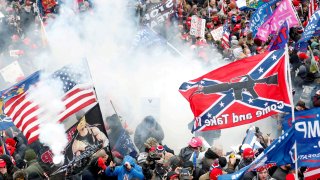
point(239, 93)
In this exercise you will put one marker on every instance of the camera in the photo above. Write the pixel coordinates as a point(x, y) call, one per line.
point(185, 173)
point(153, 157)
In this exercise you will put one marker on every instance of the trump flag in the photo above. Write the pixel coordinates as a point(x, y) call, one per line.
point(239, 93)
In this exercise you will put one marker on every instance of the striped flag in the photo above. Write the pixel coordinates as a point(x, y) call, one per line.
point(225, 36)
point(312, 173)
point(25, 112)
point(313, 6)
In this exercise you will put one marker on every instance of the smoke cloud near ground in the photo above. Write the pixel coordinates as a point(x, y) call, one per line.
point(138, 84)
point(47, 95)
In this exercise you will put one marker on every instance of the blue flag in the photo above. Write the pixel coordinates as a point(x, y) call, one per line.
point(307, 136)
point(261, 14)
point(278, 153)
point(279, 41)
point(5, 122)
point(125, 146)
point(146, 38)
point(302, 46)
point(312, 29)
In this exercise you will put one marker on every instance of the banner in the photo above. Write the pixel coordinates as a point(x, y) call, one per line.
point(5, 122)
point(307, 136)
point(12, 72)
point(248, 4)
point(87, 132)
point(284, 12)
point(217, 33)
point(260, 16)
point(198, 25)
point(312, 29)
point(159, 13)
point(240, 92)
point(147, 38)
point(277, 154)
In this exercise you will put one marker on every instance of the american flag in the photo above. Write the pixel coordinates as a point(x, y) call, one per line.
point(312, 173)
point(225, 36)
point(313, 6)
point(25, 112)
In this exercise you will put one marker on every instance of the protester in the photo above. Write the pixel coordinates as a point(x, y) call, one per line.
point(149, 127)
point(262, 174)
point(281, 172)
point(20, 40)
point(128, 170)
point(3, 170)
point(34, 170)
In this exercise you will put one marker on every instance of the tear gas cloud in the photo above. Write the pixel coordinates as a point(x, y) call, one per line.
point(104, 37)
point(47, 95)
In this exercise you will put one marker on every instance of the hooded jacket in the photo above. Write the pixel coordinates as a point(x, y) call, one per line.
point(149, 127)
point(121, 172)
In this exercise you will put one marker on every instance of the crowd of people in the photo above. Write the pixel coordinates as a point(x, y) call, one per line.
point(201, 158)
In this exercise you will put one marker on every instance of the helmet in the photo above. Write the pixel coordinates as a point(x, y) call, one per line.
point(195, 142)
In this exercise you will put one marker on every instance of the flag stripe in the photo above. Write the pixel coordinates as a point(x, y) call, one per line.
point(25, 112)
point(12, 100)
point(19, 99)
point(76, 97)
point(30, 132)
point(87, 103)
point(313, 6)
point(33, 137)
point(311, 172)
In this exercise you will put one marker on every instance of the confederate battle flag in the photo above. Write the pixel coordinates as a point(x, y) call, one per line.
point(239, 93)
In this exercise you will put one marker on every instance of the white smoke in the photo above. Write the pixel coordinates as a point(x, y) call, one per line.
point(47, 95)
point(104, 37)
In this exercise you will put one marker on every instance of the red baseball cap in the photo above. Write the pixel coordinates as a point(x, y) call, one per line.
point(2, 163)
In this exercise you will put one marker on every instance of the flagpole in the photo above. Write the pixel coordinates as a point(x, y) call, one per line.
point(170, 45)
point(292, 108)
point(45, 40)
point(95, 92)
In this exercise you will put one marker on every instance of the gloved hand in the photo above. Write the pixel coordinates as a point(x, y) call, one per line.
point(101, 163)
